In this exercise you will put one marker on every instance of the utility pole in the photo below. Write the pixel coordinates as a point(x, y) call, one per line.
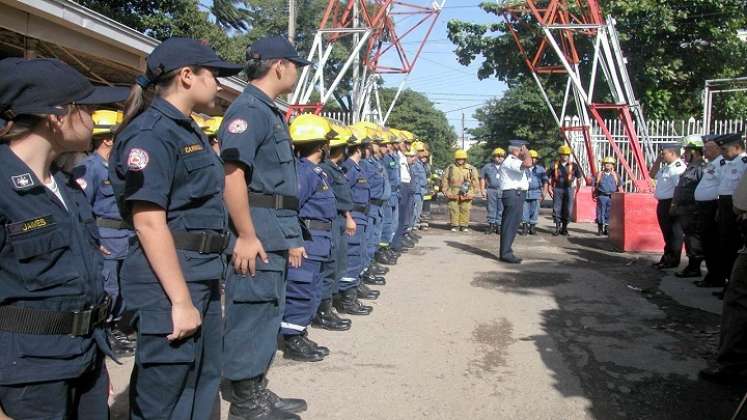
point(356, 82)
point(462, 130)
point(292, 21)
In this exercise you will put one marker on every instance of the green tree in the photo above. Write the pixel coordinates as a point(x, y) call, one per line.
point(672, 48)
point(415, 113)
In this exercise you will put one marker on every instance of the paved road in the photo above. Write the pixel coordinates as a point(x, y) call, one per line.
point(576, 332)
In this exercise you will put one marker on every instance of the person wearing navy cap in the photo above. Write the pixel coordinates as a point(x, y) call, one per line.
point(169, 186)
point(262, 202)
point(667, 170)
point(53, 306)
point(706, 209)
point(514, 185)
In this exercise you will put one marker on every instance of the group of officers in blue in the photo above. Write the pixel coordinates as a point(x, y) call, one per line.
point(294, 224)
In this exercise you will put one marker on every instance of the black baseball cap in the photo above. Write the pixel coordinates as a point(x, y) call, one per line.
point(275, 47)
point(518, 143)
point(46, 86)
point(730, 138)
point(175, 53)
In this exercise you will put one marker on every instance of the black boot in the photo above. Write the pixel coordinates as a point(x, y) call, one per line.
point(498, 229)
point(377, 269)
point(384, 257)
point(364, 292)
point(606, 230)
point(523, 231)
point(600, 229)
point(325, 318)
point(323, 351)
point(491, 229)
point(531, 230)
point(293, 405)
point(406, 243)
point(564, 229)
point(249, 401)
point(556, 232)
point(347, 303)
point(297, 348)
point(372, 280)
point(692, 270)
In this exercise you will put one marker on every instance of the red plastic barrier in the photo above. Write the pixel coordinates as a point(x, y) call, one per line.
point(633, 224)
point(584, 207)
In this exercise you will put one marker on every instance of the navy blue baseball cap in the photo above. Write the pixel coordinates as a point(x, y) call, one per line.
point(275, 47)
point(175, 53)
point(730, 138)
point(518, 143)
point(46, 86)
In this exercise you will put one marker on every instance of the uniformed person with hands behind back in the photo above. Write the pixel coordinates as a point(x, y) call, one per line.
point(262, 202)
point(667, 170)
point(683, 204)
point(706, 208)
point(52, 301)
point(169, 186)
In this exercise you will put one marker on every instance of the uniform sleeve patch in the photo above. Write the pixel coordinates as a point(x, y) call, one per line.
point(82, 182)
point(723, 162)
point(22, 181)
point(237, 126)
point(137, 160)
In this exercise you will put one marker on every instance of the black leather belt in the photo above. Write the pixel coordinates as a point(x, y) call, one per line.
point(204, 242)
point(377, 202)
point(273, 201)
point(318, 225)
point(605, 194)
point(44, 322)
point(360, 208)
point(112, 224)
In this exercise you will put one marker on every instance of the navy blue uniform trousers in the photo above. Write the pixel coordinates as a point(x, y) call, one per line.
point(513, 208)
point(406, 207)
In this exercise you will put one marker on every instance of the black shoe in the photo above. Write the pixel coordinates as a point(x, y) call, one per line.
point(323, 351)
point(498, 229)
point(511, 260)
point(688, 272)
point(291, 405)
point(364, 292)
point(600, 229)
point(706, 283)
point(250, 402)
point(531, 230)
point(556, 232)
point(606, 230)
point(722, 375)
point(523, 230)
point(373, 280)
point(406, 243)
point(377, 270)
point(491, 229)
point(564, 229)
point(298, 349)
point(382, 257)
point(327, 319)
point(347, 303)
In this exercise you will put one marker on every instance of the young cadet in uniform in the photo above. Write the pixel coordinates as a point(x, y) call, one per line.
point(537, 177)
point(169, 185)
point(421, 183)
point(346, 301)
point(460, 183)
point(683, 204)
point(490, 185)
point(317, 210)
point(53, 306)
point(732, 165)
point(606, 183)
point(706, 208)
point(563, 179)
point(344, 225)
point(92, 174)
point(391, 210)
point(514, 184)
point(382, 255)
point(262, 202)
point(667, 170)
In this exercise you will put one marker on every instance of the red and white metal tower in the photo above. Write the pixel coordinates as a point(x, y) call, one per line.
point(379, 34)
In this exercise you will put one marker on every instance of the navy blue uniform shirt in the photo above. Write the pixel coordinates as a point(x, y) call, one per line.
point(254, 134)
point(162, 157)
point(358, 185)
point(316, 202)
point(343, 194)
point(378, 179)
point(92, 174)
point(489, 172)
point(49, 260)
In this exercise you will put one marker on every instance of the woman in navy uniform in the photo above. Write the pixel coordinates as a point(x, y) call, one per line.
point(344, 226)
point(262, 201)
point(52, 302)
point(317, 211)
point(169, 185)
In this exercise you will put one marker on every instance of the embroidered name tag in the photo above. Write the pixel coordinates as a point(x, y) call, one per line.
point(30, 225)
point(192, 148)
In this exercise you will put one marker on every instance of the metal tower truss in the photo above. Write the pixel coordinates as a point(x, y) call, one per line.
point(381, 37)
point(548, 34)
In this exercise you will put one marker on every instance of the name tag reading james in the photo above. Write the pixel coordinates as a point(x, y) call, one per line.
point(30, 225)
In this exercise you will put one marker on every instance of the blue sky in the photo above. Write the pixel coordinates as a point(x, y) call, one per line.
point(438, 74)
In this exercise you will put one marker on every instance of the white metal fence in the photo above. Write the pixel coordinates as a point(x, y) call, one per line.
point(344, 118)
point(659, 132)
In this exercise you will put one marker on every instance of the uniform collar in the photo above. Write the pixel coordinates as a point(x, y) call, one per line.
point(675, 162)
point(16, 172)
point(250, 89)
point(101, 159)
point(164, 107)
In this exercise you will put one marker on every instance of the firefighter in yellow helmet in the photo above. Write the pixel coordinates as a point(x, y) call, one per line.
point(606, 183)
point(460, 184)
point(564, 176)
point(93, 177)
point(490, 184)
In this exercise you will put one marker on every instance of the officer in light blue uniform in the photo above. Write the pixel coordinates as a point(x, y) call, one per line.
point(378, 182)
point(317, 211)
point(347, 299)
point(332, 272)
point(491, 184)
point(607, 182)
point(92, 174)
point(169, 185)
point(262, 202)
point(52, 302)
point(537, 176)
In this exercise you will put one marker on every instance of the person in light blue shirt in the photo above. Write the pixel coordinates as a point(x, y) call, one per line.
point(537, 176)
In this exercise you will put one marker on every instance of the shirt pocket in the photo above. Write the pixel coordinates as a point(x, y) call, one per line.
point(283, 146)
point(203, 175)
point(153, 347)
point(44, 258)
